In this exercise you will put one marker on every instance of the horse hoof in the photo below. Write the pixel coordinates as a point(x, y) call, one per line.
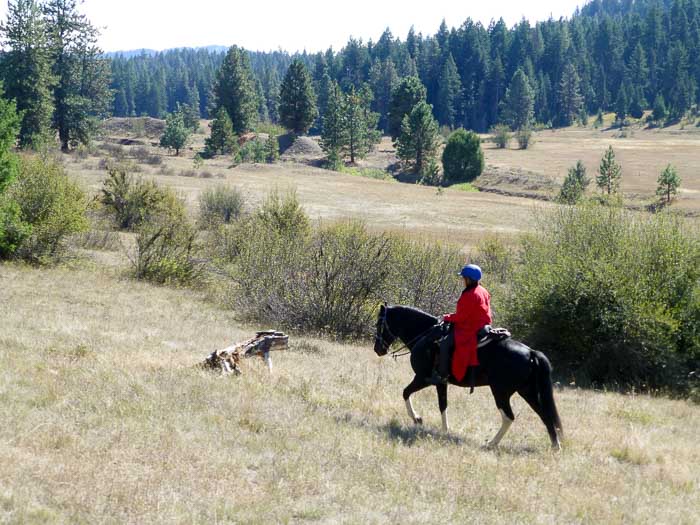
point(419, 421)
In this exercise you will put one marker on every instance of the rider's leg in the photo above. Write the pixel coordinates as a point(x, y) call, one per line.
point(447, 343)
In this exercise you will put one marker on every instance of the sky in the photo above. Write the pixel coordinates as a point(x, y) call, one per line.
point(311, 25)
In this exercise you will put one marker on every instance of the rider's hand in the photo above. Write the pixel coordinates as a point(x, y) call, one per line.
point(441, 319)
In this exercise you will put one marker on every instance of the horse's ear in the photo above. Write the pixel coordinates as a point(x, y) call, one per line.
point(382, 308)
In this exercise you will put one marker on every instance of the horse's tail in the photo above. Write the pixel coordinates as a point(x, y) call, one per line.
point(545, 390)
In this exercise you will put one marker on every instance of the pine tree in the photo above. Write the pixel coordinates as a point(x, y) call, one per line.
point(176, 133)
point(621, 105)
point(419, 137)
point(82, 91)
point(609, 173)
point(334, 136)
point(26, 69)
point(383, 80)
point(10, 125)
point(519, 103)
point(234, 90)
point(272, 149)
point(12, 228)
point(570, 99)
point(407, 94)
point(297, 99)
point(222, 140)
point(659, 113)
point(574, 185)
point(449, 93)
point(668, 184)
point(361, 124)
point(462, 159)
point(637, 103)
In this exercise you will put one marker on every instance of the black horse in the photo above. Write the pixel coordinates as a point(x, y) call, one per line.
point(506, 366)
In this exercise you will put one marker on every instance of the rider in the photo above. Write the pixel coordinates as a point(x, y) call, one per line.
point(473, 313)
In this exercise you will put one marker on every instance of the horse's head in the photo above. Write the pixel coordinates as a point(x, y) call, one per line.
point(384, 337)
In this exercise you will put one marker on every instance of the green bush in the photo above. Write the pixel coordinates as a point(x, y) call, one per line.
point(165, 247)
point(525, 138)
point(253, 151)
point(220, 204)
point(501, 136)
point(331, 279)
point(42, 208)
point(462, 159)
point(612, 296)
point(133, 200)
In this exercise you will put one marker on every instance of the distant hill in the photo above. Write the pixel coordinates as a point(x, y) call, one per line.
point(152, 52)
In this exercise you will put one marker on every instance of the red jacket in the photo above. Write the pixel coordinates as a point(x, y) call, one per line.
point(473, 313)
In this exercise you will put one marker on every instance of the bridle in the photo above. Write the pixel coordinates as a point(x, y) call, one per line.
point(405, 346)
point(379, 338)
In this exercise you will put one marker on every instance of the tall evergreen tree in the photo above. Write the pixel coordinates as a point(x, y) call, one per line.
point(234, 90)
point(570, 99)
point(176, 133)
point(26, 69)
point(519, 102)
point(449, 94)
point(575, 184)
point(668, 184)
point(297, 99)
point(621, 105)
point(383, 79)
point(609, 173)
point(334, 136)
point(361, 124)
point(419, 137)
point(407, 94)
point(222, 140)
point(83, 76)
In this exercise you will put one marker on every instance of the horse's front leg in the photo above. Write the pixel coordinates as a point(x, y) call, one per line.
point(442, 402)
point(417, 384)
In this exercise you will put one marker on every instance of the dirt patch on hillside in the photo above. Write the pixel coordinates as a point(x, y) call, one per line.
point(304, 150)
point(517, 182)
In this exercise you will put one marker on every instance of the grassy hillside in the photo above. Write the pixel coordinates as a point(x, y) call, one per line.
point(106, 420)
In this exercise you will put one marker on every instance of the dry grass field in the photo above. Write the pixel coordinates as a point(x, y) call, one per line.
point(105, 420)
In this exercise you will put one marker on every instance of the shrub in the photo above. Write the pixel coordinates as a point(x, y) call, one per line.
point(220, 204)
point(501, 136)
point(51, 206)
point(329, 280)
point(575, 184)
point(430, 174)
point(133, 200)
point(144, 155)
point(612, 296)
point(253, 151)
point(165, 245)
point(525, 138)
point(423, 274)
point(284, 215)
point(462, 159)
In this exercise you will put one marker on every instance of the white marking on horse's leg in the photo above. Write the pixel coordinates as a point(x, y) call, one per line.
point(505, 425)
point(445, 424)
point(412, 413)
point(268, 361)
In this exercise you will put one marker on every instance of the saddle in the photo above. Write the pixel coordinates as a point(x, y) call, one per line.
point(488, 335)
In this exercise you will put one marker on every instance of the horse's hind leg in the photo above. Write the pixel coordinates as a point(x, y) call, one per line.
point(417, 384)
point(529, 394)
point(502, 398)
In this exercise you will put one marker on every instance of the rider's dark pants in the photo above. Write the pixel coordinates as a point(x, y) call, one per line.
point(447, 343)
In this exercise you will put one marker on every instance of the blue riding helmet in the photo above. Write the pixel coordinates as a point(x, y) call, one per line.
point(472, 271)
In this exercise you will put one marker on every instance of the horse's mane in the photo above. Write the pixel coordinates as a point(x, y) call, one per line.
point(417, 312)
